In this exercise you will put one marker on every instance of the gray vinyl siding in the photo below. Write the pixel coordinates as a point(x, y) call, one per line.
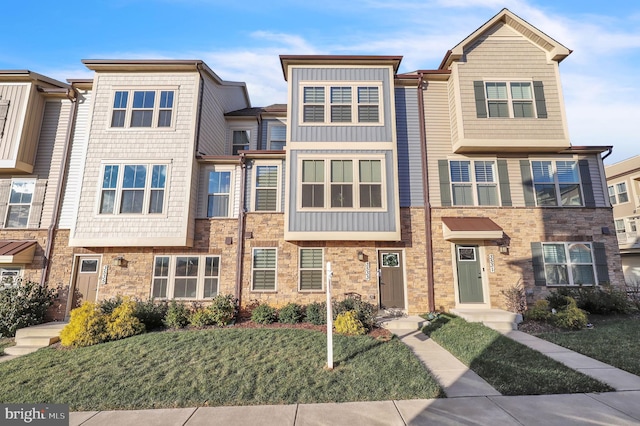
point(600, 195)
point(334, 133)
point(409, 150)
point(343, 221)
point(75, 166)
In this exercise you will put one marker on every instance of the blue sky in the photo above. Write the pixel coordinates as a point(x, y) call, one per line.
point(241, 41)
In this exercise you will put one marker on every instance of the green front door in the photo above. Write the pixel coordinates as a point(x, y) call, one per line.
point(469, 274)
point(391, 279)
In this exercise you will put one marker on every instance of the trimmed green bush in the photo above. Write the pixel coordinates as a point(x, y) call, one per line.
point(22, 305)
point(601, 300)
point(223, 309)
point(316, 313)
point(107, 306)
point(290, 313)
point(540, 311)
point(348, 323)
point(264, 314)
point(200, 318)
point(151, 313)
point(366, 312)
point(177, 315)
point(571, 317)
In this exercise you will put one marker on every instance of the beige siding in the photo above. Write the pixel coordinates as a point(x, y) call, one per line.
point(515, 181)
point(502, 56)
point(28, 142)
point(16, 94)
point(438, 132)
point(452, 110)
point(75, 166)
point(174, 145)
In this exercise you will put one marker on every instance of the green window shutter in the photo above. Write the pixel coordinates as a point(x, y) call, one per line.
point(481, 104)
point(445, 188)
point(538, 264)
point(587, 185)
point(602, 268)
point(527, 183)
point(541, 103)
point(503, 179)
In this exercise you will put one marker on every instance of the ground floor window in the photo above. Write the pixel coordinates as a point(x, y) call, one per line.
point(185, 277)
point(10, 276)
point(310, 269)
point(263, 269)
point(569, 263)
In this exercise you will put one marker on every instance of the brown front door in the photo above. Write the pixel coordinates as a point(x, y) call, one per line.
point(86, 288)
point(391, 279)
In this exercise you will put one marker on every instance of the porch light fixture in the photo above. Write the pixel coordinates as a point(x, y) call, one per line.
point(118, 261)
point(361, 256)
point(504, 249)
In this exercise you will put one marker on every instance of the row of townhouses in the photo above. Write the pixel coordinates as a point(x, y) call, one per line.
point(429, 190)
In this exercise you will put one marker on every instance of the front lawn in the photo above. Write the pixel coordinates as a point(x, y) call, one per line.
point(614, 340)
point(510, 367)
point(217, 367)
point(5, 342)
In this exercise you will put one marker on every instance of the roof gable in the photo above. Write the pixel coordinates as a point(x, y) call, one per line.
point(507, 23)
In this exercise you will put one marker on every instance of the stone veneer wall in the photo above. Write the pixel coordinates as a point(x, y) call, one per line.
point(522, 226)
point(32, 271)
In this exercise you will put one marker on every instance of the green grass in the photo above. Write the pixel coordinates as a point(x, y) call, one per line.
point(614, 340)
point(5, 342)
point(510, 367)
point(217, 367)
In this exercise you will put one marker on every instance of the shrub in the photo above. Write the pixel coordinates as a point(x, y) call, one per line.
point(571, 317)
point(122, 322)
point(87, 326)
point(515, 298)
point(151, 313)
point(107, 306)
point(348, 323)
point(366, 312)
point(264, 314)
point(200, 318)
point(22, 305)
point(223, 309)
point(633, 293)
point(177, 315)
point(540, 311)
point(316, 313)
point(290, 313)
point(602, 300)
point(558, 299)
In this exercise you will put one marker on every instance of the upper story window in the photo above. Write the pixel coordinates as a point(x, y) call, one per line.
point(219, 193)
point(510, 99)
point(266, 183)
point(339, 103)
point(342, 184)
point(19, 205)
point(277, 138)
point(618, 193)
point(143, 108)
point(133, 188)
point(240, 141)
point(557, 183)
point(473, 183)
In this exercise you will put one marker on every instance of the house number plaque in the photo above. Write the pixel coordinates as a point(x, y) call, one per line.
point(367, 271)
point(492, 263)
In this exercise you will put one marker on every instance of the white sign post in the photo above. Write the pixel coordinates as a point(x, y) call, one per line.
point(329, 320)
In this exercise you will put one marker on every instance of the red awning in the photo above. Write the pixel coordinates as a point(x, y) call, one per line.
point(17, 251)
point(470, 228)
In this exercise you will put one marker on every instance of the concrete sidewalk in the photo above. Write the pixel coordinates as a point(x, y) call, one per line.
point(615, 408)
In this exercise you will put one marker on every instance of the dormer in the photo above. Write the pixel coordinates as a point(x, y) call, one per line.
point(22, 99)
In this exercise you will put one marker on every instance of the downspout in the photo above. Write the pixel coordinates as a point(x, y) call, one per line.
point(425, 194)
point(199, 116)
point(241, 217)
point(609, 152)
point(57, 204)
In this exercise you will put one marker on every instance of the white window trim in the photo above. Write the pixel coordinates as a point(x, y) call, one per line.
point(557, 184)
point(327, 102)
point(6, 270)
point(509, 99)
point(270, 127)
point(172, 275)
point(156, 108)
point(278, 188)
point(321, 289)
point(233, 129)
point(355, 158)
point(147, 188)
point(232, 190)
point(611, 193)
point(568, 263)
point(474, 183)
point(617, 192)
point(9, 203)
point(275, 284)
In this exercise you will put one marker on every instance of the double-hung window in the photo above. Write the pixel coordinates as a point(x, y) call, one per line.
point(618, 193)
point(557, 183)
point(19, 205)
point(569, 263)
point(473, 183)
point(514, 99)
point(185, 277)
point(133, 189)
point(10, 277)
point(310, 269)
point(142, 108)
point(277, 137)
point(351, 183)
point(340, 103)
point(266, 187)
point(240, 141)
point(218, 193)
point(263, 269)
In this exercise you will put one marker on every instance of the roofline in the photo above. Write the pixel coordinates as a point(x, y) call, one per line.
point(34, 77)
point(587, 149)
point(338, 59)
point(232, 159)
